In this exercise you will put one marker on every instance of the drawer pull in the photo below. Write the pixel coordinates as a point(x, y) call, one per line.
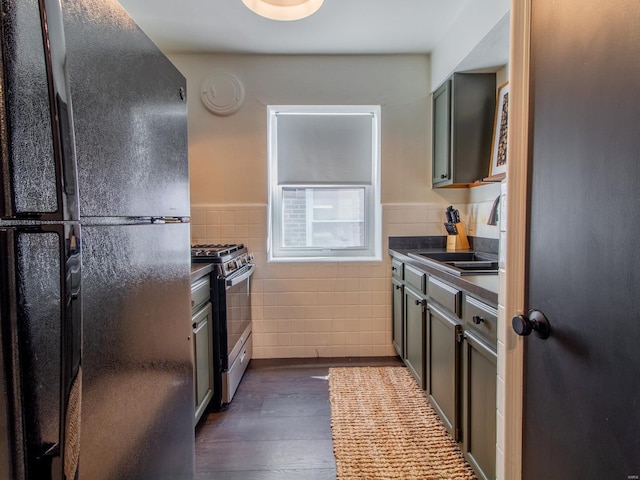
point(477, 319)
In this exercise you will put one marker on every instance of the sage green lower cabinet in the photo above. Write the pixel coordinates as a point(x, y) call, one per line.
point(203, 358)
point(479, 406)
point(414, 340)
point(444, 335)
point(397, 301)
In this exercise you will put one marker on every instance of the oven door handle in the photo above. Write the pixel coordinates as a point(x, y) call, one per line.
point(233, 281)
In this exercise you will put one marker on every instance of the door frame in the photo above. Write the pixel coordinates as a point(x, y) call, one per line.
point(514, 279)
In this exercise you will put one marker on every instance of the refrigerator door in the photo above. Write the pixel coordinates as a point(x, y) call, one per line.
point(130, 116)
point(37, 161)
point(138, 393)
point(40, 319)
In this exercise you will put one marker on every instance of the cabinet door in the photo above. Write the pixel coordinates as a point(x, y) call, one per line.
point(203, 358)
point(414, 334)
point(443, 367)
point(397, 300)
point(479, 406)
point(441, 154)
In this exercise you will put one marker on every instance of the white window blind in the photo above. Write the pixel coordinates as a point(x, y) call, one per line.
point(324, 185)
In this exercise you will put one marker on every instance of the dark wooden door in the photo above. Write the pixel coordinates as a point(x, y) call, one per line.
point(582, 384)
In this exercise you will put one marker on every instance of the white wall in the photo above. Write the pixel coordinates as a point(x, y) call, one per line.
point(472, 26)
point(313, 309)
point(220, 146)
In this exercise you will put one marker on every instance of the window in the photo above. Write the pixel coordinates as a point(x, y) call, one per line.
point(324, 182)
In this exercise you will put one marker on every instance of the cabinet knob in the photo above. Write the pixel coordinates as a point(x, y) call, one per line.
point(444, 175)
point(398, 287)
point(477, 319)
point(393, 269)
point(523, 325)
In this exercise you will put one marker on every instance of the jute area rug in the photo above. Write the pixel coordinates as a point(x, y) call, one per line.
point(384, 428)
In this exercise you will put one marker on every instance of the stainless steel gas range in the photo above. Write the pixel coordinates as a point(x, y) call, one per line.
point(231, 298)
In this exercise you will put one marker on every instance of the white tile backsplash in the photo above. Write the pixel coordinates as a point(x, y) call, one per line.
point(319, 309)
point(316, 309)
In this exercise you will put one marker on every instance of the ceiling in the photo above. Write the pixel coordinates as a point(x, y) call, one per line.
point(339, 27)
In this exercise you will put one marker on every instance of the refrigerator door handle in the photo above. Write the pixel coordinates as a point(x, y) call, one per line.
point(59, 199)
point(56, 460)
point(71, 382)
point(10, 373)
point(64, 145)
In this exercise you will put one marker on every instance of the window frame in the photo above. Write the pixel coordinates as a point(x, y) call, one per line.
point(372, 250)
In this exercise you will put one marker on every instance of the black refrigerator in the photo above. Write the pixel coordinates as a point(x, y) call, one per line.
point(95, 331)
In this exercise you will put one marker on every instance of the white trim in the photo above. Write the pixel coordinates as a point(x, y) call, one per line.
point(373, 211)
point(516, 235)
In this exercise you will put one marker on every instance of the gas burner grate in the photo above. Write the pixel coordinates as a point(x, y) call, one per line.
point(216, 250)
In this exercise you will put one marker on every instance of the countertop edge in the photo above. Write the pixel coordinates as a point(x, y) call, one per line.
point(484, 286)
point(199, 270)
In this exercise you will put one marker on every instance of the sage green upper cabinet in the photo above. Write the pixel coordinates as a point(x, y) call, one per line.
point(463, 118)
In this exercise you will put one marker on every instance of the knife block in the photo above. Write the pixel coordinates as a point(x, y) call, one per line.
point(459, 241)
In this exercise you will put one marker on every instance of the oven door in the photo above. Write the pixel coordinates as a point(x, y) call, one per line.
point(238, 310)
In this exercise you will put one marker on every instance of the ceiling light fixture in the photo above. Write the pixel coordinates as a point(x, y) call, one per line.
point(285, 10)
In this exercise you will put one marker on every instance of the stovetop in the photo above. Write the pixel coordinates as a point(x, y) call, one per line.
point(230, 257)
point(213, 251)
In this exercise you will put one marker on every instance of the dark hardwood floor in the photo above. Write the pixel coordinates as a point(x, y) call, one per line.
point(278, 424)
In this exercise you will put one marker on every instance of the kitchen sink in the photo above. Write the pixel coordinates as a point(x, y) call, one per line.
point(461, 263)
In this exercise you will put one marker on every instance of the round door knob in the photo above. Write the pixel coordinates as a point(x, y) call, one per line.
point(535, 321)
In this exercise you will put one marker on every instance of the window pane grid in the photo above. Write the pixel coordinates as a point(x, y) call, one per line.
point(324, 182)
point(326, 218)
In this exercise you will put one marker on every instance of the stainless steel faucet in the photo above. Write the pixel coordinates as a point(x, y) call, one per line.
point(494, 215)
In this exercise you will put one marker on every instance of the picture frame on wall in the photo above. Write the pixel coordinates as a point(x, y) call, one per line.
point(499, 153)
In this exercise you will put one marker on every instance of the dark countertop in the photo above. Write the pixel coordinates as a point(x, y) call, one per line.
point(199, 270)
point(482, 286)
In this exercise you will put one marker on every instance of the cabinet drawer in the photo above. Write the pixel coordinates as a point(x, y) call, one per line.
point(397, 270)
point(444, 294)
point(415, 278)
point(481, 317)
point(199, 292)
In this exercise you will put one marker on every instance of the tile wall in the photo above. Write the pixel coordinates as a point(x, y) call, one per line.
point(320, 309)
